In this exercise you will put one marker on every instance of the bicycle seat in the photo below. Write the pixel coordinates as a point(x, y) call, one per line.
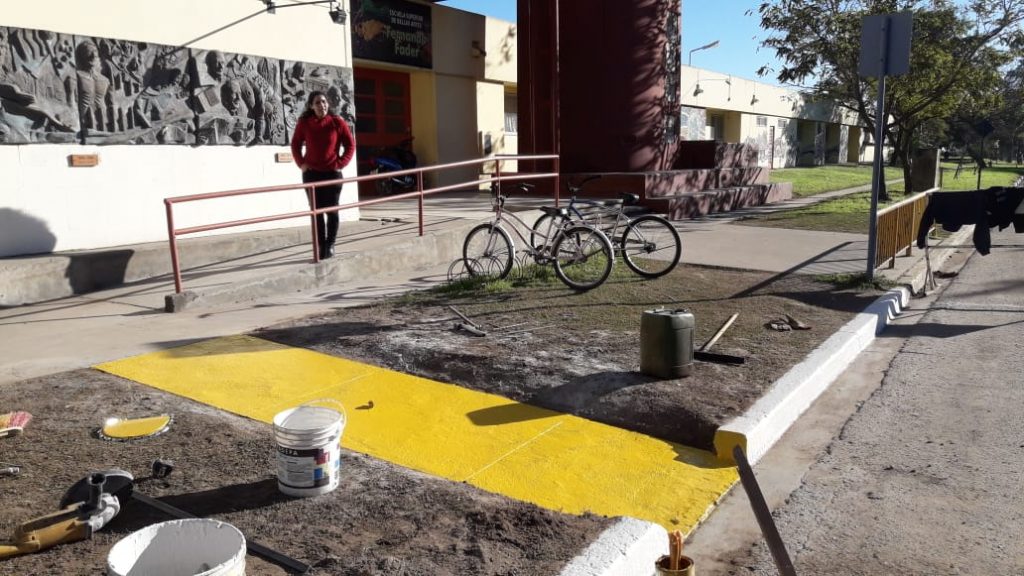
point(629, 198)
point(552, 211)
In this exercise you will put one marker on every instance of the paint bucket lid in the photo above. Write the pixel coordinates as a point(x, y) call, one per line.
point(310, 417)
point(188, 547)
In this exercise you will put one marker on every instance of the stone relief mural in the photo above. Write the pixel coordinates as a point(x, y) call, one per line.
point(298, 79)
point(59, 88)
point(37, 70)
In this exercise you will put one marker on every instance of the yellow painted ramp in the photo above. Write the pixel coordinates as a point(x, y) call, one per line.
point(554, 460)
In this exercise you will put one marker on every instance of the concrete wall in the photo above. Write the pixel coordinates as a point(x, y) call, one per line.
point(784, 110)
point(45, 205)
point(457, 136)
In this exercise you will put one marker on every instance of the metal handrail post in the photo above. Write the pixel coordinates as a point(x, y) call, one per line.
point(313, 222)
point(419, 199)
point(497, 173)
point(173, 239)
point(558, 180)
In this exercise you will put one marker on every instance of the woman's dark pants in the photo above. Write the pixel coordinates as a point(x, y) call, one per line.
point(326, 224)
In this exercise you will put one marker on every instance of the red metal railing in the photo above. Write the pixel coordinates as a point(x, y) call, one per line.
point(420, 193)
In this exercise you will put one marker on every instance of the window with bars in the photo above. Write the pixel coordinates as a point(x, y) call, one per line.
point(762, 121)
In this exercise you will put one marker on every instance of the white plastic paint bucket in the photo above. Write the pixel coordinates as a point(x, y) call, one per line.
point(309, 448)
point(190, 547)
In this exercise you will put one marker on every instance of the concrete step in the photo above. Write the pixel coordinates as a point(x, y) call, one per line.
point(43, 277)
point(689, 205)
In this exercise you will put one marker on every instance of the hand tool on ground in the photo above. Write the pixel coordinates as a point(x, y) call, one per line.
point(89, 510)
point(463, 316)
point(707, 345)
point(718, 358)
point(472, 329)
point(121, 485)
point(13, 423)
point(763, 514)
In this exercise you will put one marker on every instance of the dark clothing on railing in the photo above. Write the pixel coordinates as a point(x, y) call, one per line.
point(983, 208)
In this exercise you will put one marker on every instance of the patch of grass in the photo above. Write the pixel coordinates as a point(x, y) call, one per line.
point(858, 282)
point(817, 179)
point(845, 214)
point(1000, 174)
point(850, 213)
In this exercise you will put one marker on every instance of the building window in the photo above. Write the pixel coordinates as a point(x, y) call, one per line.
point(511, 113)
point(762, 121)
point(783, 123)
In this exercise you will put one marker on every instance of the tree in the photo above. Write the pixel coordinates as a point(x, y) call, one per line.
point(957, 51)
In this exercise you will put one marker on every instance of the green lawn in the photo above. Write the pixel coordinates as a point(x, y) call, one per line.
point(850, 213)
point(817, 179)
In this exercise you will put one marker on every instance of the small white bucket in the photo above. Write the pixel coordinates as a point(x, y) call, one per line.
point(309, 448)
point(190, 547)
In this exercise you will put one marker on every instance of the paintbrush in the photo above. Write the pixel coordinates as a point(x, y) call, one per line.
point(13, 423)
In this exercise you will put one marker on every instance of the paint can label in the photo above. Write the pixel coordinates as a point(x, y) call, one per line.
point(308, 468)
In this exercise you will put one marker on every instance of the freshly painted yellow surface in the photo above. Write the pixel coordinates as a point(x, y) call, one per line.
point(554, 460)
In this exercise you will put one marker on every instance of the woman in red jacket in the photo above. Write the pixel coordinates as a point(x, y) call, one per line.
point(329, 148)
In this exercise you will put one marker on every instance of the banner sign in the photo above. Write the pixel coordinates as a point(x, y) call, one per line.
point(393, 31)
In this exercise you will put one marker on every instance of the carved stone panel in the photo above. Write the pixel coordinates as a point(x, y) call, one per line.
point(63, 89)
point(237, 99)
point(299, 79)
point(36, 67)
point(139, 94)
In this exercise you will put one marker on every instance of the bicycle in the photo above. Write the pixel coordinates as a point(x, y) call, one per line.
point(581, 254)
point(649, 244)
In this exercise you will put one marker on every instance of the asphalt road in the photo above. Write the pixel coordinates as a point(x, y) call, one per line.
point(926, 475)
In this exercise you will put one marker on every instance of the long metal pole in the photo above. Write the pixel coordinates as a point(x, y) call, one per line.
point(879, 178)
point(879, 174)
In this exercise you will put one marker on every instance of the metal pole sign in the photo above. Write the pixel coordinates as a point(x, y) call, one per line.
point(884, 51)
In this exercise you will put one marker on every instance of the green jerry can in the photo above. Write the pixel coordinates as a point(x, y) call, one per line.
point(666, 343)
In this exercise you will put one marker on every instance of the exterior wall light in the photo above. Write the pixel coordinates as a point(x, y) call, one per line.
point(338, 15)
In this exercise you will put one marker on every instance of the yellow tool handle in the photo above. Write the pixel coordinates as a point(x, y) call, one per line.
point(47, 531)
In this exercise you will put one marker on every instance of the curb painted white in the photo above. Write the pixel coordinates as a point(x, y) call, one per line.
point(630, 546)
point(768, 419)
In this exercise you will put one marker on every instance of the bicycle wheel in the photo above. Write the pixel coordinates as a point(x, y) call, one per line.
point(583, 258)
point(651, 246)
point(544, 228)
point(488, 251)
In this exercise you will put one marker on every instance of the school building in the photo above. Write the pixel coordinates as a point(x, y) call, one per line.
point(107, 108)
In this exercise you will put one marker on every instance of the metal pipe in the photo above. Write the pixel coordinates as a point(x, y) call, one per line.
point(173, 240)
point(420, 193)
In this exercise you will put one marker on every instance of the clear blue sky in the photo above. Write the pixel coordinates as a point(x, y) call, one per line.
point(739, 50)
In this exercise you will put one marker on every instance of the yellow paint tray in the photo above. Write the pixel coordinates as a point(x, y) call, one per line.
point(123, 429)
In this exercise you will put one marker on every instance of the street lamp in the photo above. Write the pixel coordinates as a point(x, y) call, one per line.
point(689, 59)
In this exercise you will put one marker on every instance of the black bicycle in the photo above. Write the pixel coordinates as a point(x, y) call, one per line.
point(648, 243)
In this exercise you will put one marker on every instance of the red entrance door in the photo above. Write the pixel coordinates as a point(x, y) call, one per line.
point(383, 115)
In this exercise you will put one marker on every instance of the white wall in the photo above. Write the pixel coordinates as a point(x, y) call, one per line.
point(54, 207)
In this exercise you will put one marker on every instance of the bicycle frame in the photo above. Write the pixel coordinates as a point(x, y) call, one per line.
point(517, 224)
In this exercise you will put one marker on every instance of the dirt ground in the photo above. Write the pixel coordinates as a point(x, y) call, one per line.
point(580, 353)
point(545, 345)
point(382, 519)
